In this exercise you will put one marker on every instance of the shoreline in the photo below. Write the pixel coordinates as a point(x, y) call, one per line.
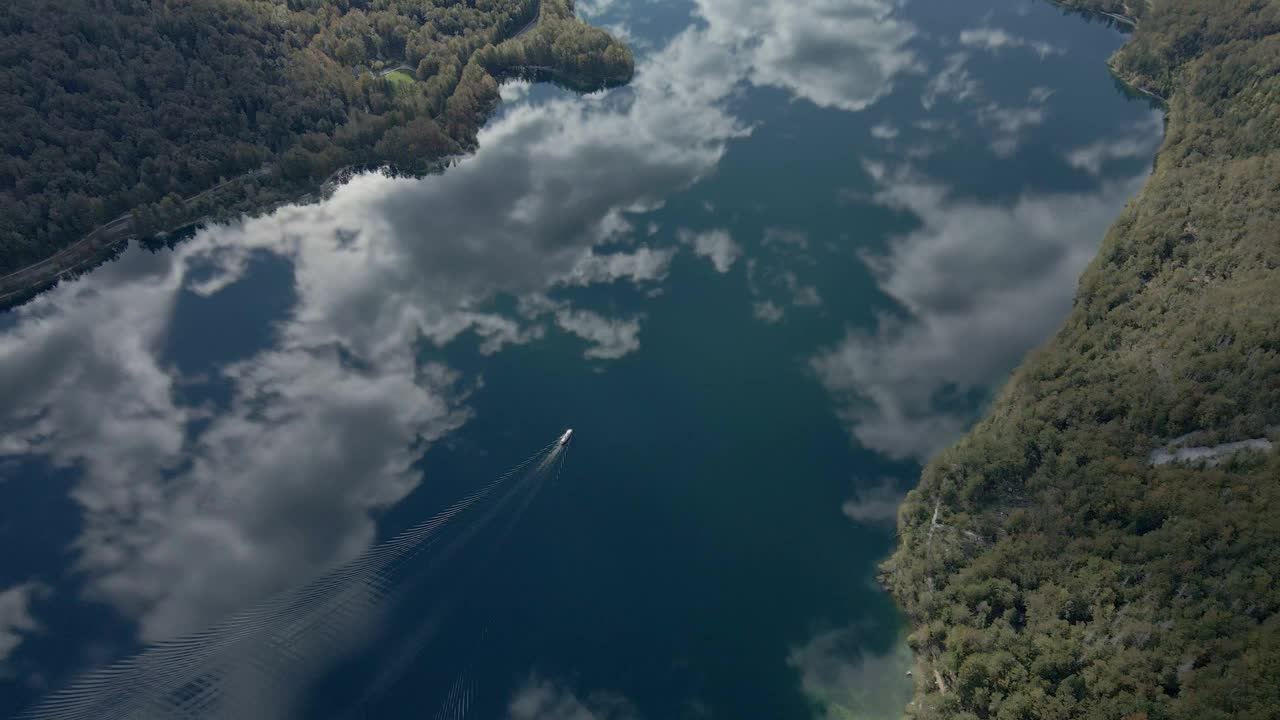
point(929, 673)
point(1132, 24)
point(1036, 554)
point(219, 203)
point(935, 678)
point(107, 241)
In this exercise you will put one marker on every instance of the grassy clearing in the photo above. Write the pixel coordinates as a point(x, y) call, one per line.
point(401, 78)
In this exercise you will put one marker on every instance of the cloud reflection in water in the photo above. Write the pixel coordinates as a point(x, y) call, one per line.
point(190, 512)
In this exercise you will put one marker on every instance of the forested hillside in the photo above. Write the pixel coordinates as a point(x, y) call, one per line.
point(1052, 566)
point(116, 106)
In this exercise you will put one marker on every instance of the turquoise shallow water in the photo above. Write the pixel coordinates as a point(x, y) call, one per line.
point(763, 283)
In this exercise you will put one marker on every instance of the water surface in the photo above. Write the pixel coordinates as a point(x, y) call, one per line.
point(763, 282)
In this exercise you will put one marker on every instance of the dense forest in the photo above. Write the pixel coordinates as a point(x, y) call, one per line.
point(564, 47)
point(110, 107)
point(1051, 568)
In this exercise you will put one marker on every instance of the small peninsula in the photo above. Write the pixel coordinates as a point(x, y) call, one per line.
point(1104, 544)
point(131, 117)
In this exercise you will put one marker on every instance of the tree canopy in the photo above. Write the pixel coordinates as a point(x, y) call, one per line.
point(1050, 568)
point(136, 106)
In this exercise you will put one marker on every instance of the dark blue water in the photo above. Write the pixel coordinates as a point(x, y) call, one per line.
point(763, 283)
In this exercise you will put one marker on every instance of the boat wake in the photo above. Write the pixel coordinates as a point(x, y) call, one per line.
point(260, 662)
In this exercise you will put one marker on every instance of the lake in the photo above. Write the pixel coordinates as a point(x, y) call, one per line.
point(763, 283)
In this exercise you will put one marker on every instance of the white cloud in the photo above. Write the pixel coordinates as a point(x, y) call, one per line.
point(610, 339)
point(806, 296)
point(921, 151)
point(775, 236)
point(594, 8)
point(514, 90)
point(540, 699)
point(1092, 157)
point(15, 616)
point(643, 265)
point(526, 210)
point(937, 126)
point(768, 279)
point(624, 34)
point(293, 475)
point(833, 53)
point(191, 512)
point(801, 295)
point(81, 383)
point(875, 503)
point(995, 39)
point(848, 681)
point(1039, 94)
point(979, 284)
point(1140, 141)
point(1008, 125)
point(715, 245)
point(180, 530)
point(953, 82)
point(884, 131)
point(767, 312)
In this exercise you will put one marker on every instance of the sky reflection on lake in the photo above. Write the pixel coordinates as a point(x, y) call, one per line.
point(767, 279)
